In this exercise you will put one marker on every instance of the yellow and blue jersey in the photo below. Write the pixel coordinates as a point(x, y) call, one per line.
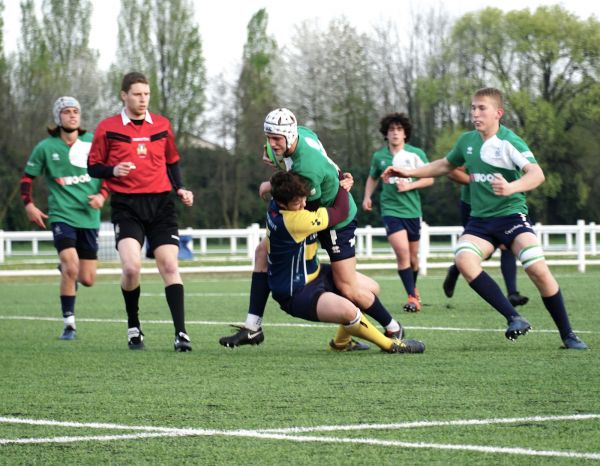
point(292, 248)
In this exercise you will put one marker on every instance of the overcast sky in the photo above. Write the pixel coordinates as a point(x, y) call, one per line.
point(222, 23)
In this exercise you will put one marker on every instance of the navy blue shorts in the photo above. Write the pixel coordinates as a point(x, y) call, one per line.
point(303, 304)
point(499, 230)
point(141, 216)
point(84, 240)
point(395, 224)
point(465, 213)
point(339, 244)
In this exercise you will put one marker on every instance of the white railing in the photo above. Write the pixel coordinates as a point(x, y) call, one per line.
point(563, 244)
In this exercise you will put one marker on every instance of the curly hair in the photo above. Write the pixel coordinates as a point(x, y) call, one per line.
point(400, 119)
point(287, 186)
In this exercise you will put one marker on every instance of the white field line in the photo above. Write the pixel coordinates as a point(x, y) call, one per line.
point(281, 324)
point(149, 431)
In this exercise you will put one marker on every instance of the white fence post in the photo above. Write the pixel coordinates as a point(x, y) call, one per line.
point(593, 238)
point(424, 243)
point(581, 245)
point(1, 246)
point(369, 241)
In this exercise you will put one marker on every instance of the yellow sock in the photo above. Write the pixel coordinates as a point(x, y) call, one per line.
point(367, 331)
point(342, 337)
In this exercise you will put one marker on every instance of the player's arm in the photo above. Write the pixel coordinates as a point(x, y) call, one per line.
point(419, 183)
point(533, 177)
point(174, 172)
point(459, 175)
point(340, 208)
point(434, 169)
point(370, 186)
point(97, 158)
point(96, 201)
point(34, 214)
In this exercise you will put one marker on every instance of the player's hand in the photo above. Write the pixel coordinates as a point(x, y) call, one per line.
point(347, 181)
point(35, 215)
point(403, 185)
point(123, 169)
point(96, 201)
point(264, 189)
point(367, 204)
point(500, 186)
point(393, 171)
point(186, 196)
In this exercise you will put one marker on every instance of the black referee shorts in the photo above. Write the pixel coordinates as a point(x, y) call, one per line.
point(140, 216)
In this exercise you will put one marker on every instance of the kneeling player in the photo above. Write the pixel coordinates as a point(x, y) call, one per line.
point(304, 288)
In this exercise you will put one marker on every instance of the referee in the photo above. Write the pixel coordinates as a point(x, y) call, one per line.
point(135, 153)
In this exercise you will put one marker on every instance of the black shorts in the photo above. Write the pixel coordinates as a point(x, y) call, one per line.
point(396, 224)
point(339, 244)
point(499, 230)
point(84, 240)
point(141, 216)
point(303, 304)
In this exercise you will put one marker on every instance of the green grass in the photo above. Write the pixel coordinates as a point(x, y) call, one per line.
point(291, 381)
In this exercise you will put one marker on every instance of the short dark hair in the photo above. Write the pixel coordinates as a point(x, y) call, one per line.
point(132, 78)
point(287, 186)
point(398, 119)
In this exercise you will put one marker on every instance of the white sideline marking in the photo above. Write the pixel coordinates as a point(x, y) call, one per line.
point(271, 434)
point(281, 324)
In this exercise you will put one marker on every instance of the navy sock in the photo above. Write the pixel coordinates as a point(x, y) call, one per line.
point(174, 294)
point(67, 304)
point(489, 290)
point(556, 307)
point(407, 277)
point(415, 275)
point(508, 266)
point(379, 313)
point(259, 293)
point(132, 299)
point(453, 271)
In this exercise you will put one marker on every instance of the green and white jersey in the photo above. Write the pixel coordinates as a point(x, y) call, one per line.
point(311, 161)
point(69, 184)
point(394, 203)
point(504, 153)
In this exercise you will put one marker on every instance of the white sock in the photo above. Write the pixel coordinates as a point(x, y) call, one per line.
point(393, 326)
point(69, 321)
point(356, 319)
point(253, 322)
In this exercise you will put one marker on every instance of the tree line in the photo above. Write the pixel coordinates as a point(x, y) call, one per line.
point(337, 80)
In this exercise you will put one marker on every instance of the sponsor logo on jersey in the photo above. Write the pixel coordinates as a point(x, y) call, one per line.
point(71, 180)
point(482, 177)
point(55, 157)
point(469, 150)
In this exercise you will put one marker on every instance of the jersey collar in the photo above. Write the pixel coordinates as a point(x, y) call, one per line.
point(125, 119)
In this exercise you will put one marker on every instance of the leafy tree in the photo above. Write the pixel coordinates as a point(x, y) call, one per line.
point(160, 39)
point(255, 97)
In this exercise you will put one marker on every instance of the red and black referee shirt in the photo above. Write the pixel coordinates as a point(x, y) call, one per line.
point(149, 146)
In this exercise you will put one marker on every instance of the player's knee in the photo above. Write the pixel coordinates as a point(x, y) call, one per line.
point(131, 269)
point(87, 279)
point(69, 270)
